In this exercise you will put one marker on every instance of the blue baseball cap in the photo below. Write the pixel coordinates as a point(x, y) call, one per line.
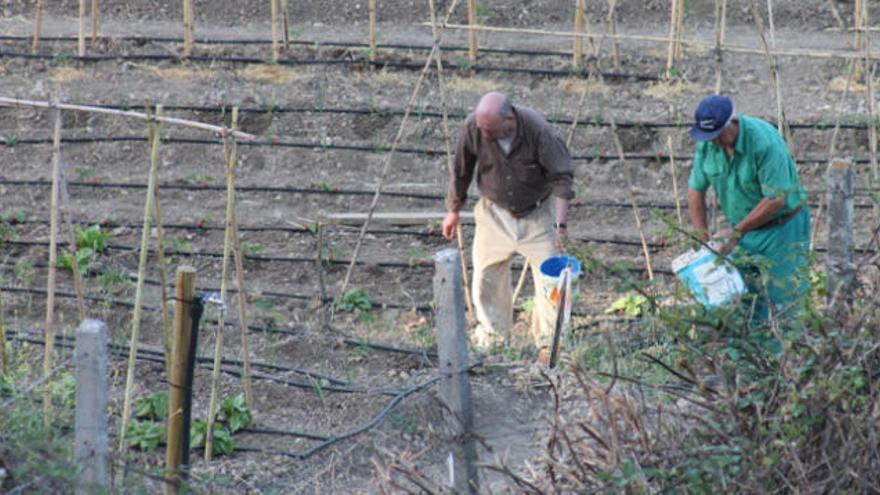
point(713, 114)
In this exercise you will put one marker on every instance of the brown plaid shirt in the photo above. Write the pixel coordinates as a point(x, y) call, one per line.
point(537, 166)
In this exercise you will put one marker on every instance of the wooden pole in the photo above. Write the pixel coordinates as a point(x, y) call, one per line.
point(139, 292)
point(781, 123)
point(720, 21)
point(154, 139)
point(840, 258)
point(275, 48)
point(472, 34)
point(447, 142)
point(674, 179)
point(319, 264)
point(673, 24)
point(224, 278)
point(216, 129)
point(94, 21)
point(81, 40)
point(372, 15)
point(455, 389)
point(285, 24)
point(91, 439)
point(612, 30)
point(177, 433)
point(49, 349)
point(384, 175)
point(38, 25)
point(679, 28)
point(229, 150)
point(872, 127)
point(188, 28)
point(857, 24)
point(577, 51)
point(4, 357)
point(71, 236)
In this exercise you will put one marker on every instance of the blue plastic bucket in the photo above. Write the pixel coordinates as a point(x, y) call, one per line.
point(551, 269)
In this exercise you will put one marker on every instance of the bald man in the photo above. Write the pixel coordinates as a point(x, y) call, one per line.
point(524, 173)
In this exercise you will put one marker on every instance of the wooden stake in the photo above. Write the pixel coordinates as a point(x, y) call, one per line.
point(372, 15)
point(177, 434)
point(781, 124)
point(149, 208)
point(274, 10)
point(472, 34)
point(38, 24)
point(857, 24)
point(94, 21)
point(49, 349)
point(383, 177)
point(81, 40)
point(679, 28)
point(4, 357)
point(834, 13)
point(224, 278)
point(673, 23)
point(612, 29)
point(71, 235)
point(154, 139)
point(285, 25)
point(187, 28)
point(720, 21)
point(520, 283)
point(872, 127)
point(577, 51)
point(229, 149)
point(674, 179)
point(319, 265)
point(447, 142)
point(840, 266)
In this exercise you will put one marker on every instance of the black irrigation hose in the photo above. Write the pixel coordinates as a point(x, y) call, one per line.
point(584, 73)
point(585, 121)
point(308, 43)
point(428, 151)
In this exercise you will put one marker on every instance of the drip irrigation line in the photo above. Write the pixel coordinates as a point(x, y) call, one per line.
point(158, 358)
point(427, 151)
point(583, 73)
point(586, 121)
point(279, 432)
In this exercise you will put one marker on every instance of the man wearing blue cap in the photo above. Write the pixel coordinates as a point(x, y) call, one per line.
point(745, 160)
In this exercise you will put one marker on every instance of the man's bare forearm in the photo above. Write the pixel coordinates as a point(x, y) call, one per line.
point(759, 215)
point(561, 210)
point(697, 212)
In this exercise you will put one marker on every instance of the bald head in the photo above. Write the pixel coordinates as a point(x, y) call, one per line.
point(494, 116)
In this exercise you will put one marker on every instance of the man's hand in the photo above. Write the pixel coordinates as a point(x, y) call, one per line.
point(450, 225)
point(730, 238)
point(561, 237)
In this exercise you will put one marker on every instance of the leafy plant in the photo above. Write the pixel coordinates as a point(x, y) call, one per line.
point(483, 13)
point(83, 259)
point(64, 390)
point(18, 215)
point(222, 443)
point(145, 435)
point(251, 248)
point(83, 173)
point(355, 301)
point(24, 272)
point(113, 279)
point(153, 406)
point(92, 237)
point(631, 304)
point(406, 423)
point(234, 413)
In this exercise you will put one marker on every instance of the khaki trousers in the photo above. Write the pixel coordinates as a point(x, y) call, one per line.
point(498, 236)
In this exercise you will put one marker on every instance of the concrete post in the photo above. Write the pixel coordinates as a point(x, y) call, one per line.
point(455, 389)
point(90, 436)
point(840, 261)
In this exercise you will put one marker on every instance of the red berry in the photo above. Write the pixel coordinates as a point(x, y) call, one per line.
point(205, 184)
point(429, 150)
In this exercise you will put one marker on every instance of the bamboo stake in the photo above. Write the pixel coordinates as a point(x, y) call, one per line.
point(390, 154)
point(53, 260)
point(4, 357)
point(155, 137)
point(674, 179)
point(275, 49)
point(187, 28)
point(772, 25)
point(472, 34)
point(229, 150)
point(224, 277)
point(872, 128)
point(38, 25)
point(708, 45)
point(612, 29)
point(679, 28)
point(220, 130)
point(441, 84)
point(372, 15)
point(71, 240)
point(781, 123)
point(139, 292)
point(857, 22)
point(285, 25)
point(94, 21)
point(720, 21)
point(81, 40)
point(673, 24)
point(578, 42)
point(834, 13)
point(319, 262)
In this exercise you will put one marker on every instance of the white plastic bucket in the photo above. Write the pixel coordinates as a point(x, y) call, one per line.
point(712, 281)
point(551, 269)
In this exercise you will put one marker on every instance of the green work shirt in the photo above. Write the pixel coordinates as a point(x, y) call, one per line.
point(761, 167)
